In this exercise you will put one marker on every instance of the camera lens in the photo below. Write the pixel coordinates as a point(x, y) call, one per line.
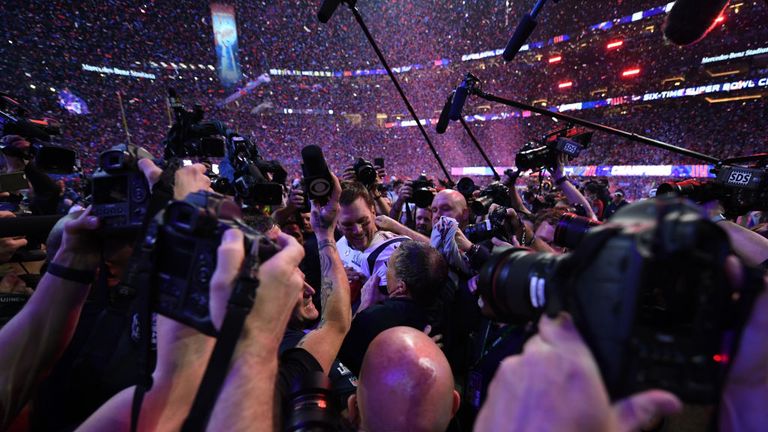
point(571, 229)
point(516, 283)
point(311, 404)
point(366, 174)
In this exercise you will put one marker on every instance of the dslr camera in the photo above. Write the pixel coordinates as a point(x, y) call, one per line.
point(536, 156)
point(493, 226)
point(365, 172)
point(647, 290)
point(494, 193)
point(739, 189)
point(423, 191)
point(184, 239)
point(120, 192)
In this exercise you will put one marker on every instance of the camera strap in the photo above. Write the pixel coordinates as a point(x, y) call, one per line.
point(138, 282)
point(238, 308)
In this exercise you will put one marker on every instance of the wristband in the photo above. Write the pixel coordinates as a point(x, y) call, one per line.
point(561, 180)
point(70, 274)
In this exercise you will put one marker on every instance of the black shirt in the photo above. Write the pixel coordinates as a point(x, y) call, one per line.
point(343, 381)
point(369, 323)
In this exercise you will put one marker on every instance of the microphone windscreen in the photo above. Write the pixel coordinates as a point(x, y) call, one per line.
point(442, 122)
point(522, 33)
point(317, 177)
point(327, 9)
point(314, 161)
point(690, 20)
point(459, 97)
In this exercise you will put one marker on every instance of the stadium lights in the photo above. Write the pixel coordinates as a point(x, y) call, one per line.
point(565, 84)
point(615, 44)
point(630, 73)
point(555, 59)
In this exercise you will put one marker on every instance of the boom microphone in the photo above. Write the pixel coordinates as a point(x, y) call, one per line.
point(690, 20)
point(522, 33)
point(327, 9)
point(442, 122)
point(317, 176)
point(459, 97)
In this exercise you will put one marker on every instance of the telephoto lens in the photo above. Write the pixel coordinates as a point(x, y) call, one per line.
point(516, 284)
point(571, 228)
point(311, 404)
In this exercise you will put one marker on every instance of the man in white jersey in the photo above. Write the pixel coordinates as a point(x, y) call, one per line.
point(364, 248)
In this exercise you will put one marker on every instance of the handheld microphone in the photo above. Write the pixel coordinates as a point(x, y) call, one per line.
point(317, 176)
point(327, 10)
point(442, 122)
point(690, 20)
point(522, 33)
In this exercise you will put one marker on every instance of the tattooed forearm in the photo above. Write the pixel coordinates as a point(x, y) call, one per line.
point(327, 243)
point(326, 247)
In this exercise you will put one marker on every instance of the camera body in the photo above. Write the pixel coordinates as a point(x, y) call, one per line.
point(648, 292)
point(186, 235)
point(492, 227)
point(536, 156)
point(739, 189)
point(252, 183)
point(423, 191)
point(120, 192)
point(365, 172)
point(494, 193)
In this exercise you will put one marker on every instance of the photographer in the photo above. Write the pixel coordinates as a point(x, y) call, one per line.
point(44, 191)
point(36, 337)
point(569, 395)
point(101, 359)
point(371, 176)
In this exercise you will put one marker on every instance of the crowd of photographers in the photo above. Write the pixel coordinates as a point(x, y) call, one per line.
point(344, 302)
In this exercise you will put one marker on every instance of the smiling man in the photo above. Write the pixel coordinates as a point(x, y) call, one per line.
point(364, 249)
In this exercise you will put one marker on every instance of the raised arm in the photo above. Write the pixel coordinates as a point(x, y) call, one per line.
point(324, 342)
point(571, 193)
point(37, 336)
point(388, 224)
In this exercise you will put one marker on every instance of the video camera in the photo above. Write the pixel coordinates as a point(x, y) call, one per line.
point(536, 156)
point(120, 191)
point(179, 254)
point(48, 157)
point(190, 136)
point(256, 181)
point(648, 291)
point(739, 189)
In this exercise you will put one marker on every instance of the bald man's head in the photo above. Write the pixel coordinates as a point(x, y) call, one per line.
point(405, 384)
point(452, 204)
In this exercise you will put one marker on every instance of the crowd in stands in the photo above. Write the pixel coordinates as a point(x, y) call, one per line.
point(381, 281)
